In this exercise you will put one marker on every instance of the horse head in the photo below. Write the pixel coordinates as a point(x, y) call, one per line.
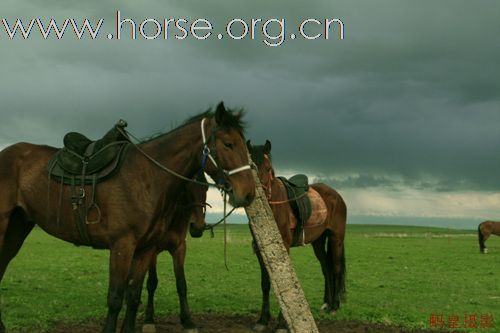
point(261, 156)
point(196, 200)
point(225, 156)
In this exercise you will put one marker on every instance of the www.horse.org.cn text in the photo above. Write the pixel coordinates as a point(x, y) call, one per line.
point(270, 31)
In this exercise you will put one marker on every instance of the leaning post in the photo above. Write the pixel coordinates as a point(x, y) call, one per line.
point(284, 281)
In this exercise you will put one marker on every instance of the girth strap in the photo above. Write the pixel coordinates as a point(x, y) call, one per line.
point(79, 211)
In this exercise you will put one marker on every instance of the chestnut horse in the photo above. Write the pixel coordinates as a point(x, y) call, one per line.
point(189, 213)
point(484, 230)
point(326, 237)
point(133, 203)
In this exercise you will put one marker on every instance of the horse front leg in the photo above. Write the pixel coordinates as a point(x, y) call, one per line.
point(120, 261)
point(178, 256)
point(140, 264)
point(13, 231)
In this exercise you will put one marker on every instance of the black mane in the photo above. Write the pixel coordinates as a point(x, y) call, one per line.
point(233, 119)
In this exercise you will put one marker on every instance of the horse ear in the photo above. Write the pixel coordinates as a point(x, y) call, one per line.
point(249, 146)
point(220, 113)
point(267, 147)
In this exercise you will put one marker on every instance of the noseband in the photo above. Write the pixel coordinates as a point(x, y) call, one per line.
point(207, 154)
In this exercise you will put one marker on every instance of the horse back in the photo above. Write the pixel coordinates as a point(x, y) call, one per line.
point(490, 227)
point(336, 207)
point(332, 198)
point(23, 158)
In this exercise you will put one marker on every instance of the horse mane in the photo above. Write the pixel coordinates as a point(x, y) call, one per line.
point(233, 120)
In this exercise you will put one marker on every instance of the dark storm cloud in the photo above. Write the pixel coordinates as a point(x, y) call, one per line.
point(409, 98)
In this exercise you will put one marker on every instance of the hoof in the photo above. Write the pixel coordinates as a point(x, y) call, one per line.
point(485, 251)
point(324, 307)
point(148, 328)
point(190, 330)
point(259, 328)
point(333, 312)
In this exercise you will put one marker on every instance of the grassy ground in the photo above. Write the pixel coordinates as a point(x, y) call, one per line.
point(396, 274)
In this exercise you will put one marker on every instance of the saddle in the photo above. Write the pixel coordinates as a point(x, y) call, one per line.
point(297, 187)
point(85, 162)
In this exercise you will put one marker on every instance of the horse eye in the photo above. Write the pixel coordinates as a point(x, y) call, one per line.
point(228, 145)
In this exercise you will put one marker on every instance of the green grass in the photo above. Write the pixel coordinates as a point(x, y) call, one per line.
point(396, 274)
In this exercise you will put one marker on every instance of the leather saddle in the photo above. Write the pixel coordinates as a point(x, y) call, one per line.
point(83, 161)
point(297, 187)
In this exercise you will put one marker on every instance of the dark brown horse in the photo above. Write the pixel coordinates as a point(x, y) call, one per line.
point(134, 203)
point(325, 233)
point(484, 230)
point(189, 214)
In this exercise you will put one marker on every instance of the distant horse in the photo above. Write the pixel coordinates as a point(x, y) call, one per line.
point(484, 230)
point(326, 235)
point(189, 213)
point(133, 203)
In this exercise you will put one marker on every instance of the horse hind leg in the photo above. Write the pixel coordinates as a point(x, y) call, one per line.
point(14, 228)
point(320, 252)
point(482, 237)
point(336, 261)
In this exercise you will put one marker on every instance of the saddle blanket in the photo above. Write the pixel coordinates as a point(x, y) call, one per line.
point(318, 211)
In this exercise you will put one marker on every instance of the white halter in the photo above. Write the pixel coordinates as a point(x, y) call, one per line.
point(206, 152)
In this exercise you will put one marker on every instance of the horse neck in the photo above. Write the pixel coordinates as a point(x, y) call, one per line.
point(277, 192)
point(176, 151)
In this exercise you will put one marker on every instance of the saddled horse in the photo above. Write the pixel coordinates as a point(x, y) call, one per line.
point(133, 203)
point(484, 230)
point(188, 214)
point(325, 230)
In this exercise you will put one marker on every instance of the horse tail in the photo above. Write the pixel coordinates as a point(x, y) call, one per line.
point(481, 239)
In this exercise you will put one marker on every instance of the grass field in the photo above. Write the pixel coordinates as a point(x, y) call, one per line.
point(395, 274)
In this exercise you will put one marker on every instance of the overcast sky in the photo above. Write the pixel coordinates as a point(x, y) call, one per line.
point(402, 116)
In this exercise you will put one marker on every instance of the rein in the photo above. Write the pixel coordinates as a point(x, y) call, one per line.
point(164, 168)
point(289, 200)
point(207, 155)
point(223, 220)
point(213, 225)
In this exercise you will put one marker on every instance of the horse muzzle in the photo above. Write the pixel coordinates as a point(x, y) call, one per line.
point(241, 200)
point(195, 230)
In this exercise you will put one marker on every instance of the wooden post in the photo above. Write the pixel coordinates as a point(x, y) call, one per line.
point(284, 281)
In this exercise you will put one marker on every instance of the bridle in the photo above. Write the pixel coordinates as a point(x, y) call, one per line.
point(207, 155)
